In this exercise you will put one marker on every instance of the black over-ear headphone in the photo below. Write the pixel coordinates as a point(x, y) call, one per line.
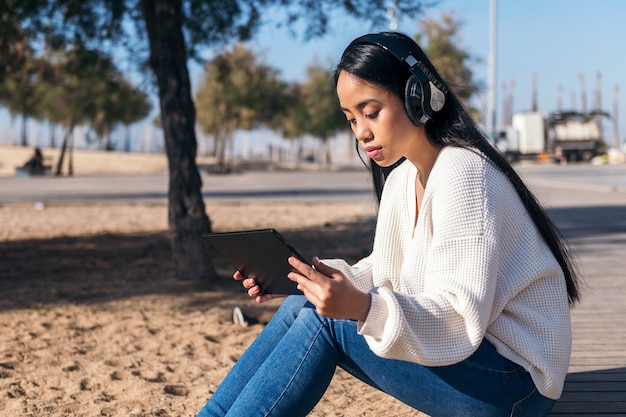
point(424, 94)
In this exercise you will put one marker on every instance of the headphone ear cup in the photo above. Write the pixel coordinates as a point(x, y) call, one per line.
point(413, 99)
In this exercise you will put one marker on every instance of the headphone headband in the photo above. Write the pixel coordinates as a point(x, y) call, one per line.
point(402, 53)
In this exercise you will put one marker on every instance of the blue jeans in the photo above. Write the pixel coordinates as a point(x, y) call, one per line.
point(287, 369)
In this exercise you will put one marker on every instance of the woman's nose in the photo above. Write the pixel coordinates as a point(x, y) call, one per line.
point(362, 132)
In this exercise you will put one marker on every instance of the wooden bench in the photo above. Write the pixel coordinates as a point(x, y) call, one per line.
point(593, 393)
point(596, 382)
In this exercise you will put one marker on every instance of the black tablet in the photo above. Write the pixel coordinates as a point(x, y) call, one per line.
point(259, 254)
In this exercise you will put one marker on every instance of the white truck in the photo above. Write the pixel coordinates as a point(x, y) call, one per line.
point(561, 136)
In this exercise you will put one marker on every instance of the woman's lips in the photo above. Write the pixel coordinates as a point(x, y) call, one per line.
point(373, 151)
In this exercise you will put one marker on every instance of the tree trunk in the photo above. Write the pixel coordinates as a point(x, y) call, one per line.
point(213, 151)
point(24, 141)
point(300, 152)
point(108, 145)
point(328, 159)
point(187, 217)
point(68, 133)
point(224, 137)
point(220, 146)
point(70, 158)
point(51, 127)
point(59, 166)
point(127, 138)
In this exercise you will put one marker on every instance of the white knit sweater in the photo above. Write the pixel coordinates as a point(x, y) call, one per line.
point(474, 267)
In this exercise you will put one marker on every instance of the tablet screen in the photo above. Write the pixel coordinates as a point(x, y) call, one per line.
point(259, 254)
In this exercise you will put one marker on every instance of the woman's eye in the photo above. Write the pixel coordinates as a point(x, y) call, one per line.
point(372, 115)
point(351, 121)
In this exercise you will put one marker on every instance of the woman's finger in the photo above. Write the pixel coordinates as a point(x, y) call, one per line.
point(305, 269)
point(248, 283)
point(310, 281)
point(323, 268)
point(254, 291)
point(266, 297)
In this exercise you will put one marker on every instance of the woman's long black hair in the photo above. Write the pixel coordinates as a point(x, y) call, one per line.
point(451, 126)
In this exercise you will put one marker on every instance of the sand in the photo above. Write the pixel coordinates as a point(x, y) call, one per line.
point(93, 321)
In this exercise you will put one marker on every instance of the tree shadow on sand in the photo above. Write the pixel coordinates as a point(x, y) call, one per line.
point(92, 269)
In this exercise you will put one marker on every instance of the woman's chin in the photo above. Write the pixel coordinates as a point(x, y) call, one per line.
point(384, 162)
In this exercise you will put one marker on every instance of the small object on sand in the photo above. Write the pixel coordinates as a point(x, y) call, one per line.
point(238, 317)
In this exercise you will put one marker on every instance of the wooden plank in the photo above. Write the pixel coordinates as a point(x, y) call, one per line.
point(597, 361)
point(590, 407)
point(593, 396)
point(616, 376)
point(585, 414)
point(594, 386)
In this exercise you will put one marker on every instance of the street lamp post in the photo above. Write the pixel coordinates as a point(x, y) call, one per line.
point(491, 98)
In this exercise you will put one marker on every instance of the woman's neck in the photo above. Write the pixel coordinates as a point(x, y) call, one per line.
point(423, 158)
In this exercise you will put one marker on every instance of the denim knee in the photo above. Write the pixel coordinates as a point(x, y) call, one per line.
point(293, 304)
point(290, 308)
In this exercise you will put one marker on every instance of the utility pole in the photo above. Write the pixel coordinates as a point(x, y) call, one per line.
point(534, 104)
point(513, 83)
point(615, 117)
point(505, 103)
point(491, 98)
point(583, 93)
point(598, 97)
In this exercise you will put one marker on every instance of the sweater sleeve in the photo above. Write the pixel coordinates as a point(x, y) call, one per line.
point(360, 274)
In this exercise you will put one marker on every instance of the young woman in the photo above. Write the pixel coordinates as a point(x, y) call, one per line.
point(461, 309)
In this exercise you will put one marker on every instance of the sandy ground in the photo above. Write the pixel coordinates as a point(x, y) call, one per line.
point(94, 323)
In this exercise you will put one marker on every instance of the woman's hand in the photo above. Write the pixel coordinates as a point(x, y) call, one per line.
point(329, 290)
point(253, 289)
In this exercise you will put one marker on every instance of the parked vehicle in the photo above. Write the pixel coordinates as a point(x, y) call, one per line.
point(561, 136)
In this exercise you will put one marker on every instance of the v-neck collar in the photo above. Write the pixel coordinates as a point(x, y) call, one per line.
point(413, 210)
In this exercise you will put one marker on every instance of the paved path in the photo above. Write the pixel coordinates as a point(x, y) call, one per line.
point(301, 185)
point(254, 185)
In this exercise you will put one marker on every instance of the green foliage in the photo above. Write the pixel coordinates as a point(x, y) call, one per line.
point(120, 103)
point(21, 88)
point(80, 79)
point(322, 106)
point(238, 93)
point(66, 84)
point(441, 41)
point(70, 87)
point(315, 108)
point(293, 121)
